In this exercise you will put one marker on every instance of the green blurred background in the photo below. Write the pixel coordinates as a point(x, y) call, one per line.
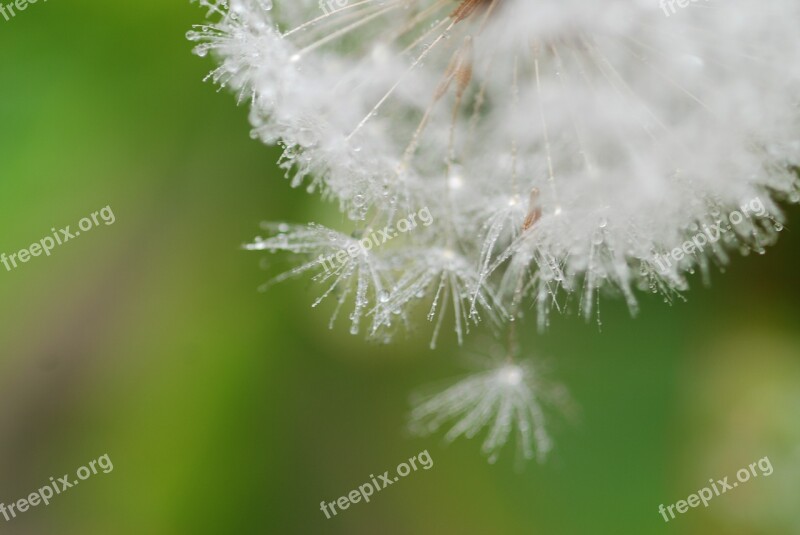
point(226, 410)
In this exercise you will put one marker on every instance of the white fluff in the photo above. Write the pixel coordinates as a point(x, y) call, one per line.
point(633, 125)
point(562, 146)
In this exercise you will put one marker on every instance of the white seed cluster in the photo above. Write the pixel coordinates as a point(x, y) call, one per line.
point(561, 146)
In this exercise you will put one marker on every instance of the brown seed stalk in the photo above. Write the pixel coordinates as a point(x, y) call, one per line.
point(468, 7)
point(534, 211)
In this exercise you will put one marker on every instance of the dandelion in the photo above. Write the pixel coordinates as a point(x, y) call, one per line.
point(630, 126)
point(562, 146)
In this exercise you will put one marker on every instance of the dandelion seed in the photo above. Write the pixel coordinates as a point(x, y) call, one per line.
point(506, 399)
point(339, 263)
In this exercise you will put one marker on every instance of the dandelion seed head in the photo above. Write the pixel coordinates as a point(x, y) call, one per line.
point(620, 111)
point(563, 149)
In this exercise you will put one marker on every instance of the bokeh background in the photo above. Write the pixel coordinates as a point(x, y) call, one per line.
point(226, 410)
